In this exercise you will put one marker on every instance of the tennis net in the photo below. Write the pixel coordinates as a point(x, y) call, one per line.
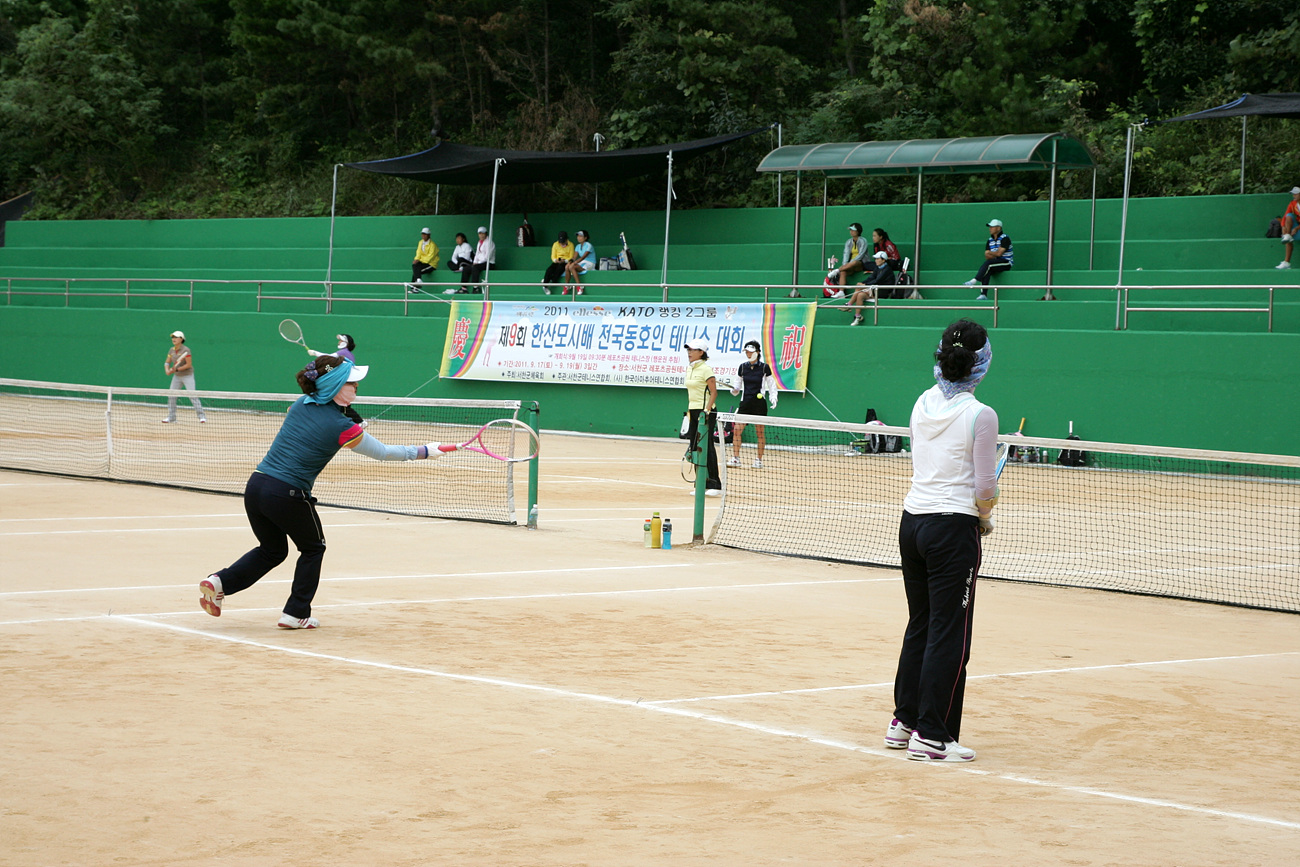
point(1201, 525)
point(116, 433)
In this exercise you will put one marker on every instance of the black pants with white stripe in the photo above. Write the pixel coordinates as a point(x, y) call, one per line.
point(278, 512)
point(941, 558)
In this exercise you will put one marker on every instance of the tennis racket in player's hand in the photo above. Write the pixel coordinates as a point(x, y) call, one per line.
point(504, 439)
point(999, 464)
point(291, 332)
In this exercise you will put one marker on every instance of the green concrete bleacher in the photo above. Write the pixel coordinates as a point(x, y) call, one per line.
point(1203, 245)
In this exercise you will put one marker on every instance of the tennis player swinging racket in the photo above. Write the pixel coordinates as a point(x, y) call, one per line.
point(278, 500)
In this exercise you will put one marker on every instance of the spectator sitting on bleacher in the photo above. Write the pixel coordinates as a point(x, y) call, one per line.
point(463, 254)
point(997, 257)
point(856, 254)
point(426, 259)
point(880, 242)
point(882, 276)
point(561, 255)
point(1290, 226)
point(485, 255)
point(584, 260)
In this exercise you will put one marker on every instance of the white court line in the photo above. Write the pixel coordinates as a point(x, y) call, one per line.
point(971, 677)
point(714, 718)
point(415, 575)
point(242, 527)
point(325, 510)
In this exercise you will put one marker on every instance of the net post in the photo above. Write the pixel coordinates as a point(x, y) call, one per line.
point(533, 412)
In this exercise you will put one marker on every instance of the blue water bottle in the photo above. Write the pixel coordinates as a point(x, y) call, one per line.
point(668, 534)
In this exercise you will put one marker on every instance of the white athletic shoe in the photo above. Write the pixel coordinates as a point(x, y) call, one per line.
point(857, 320)
point(1286, 239)
point(212, 595)
point(169, 421)
point(897, 736)
point(921, 750)
point(733, 462)
point(758, 465)
point(712, 492)
point(971, 282)
point(981, 297)
point(1282, 266)
point(287, 622)
point(450, 291)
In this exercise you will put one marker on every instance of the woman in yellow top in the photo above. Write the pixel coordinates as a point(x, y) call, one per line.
point(426, 257)
point(702, 398)
point(562, 252)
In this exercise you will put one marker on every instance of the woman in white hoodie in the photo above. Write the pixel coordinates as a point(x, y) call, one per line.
point(947, 510)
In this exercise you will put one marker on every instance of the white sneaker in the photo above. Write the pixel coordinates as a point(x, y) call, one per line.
point(450, 291)
point(1282, 266)
point(546, 289)
point(838, 293)
point(921, 750)
point(169, 421)
point(1286, 239)
point(733, 462)
point(981, 297)
point(971, 282)
point(897, 736)
point(758, 465)
point(287, 622)
point(212, 596)
point(712, 492)
point(857, 320)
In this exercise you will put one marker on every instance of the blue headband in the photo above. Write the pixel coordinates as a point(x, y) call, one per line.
point(328, 384)
point(982, 359)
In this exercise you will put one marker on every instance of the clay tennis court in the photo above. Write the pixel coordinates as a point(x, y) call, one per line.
point(480, 694)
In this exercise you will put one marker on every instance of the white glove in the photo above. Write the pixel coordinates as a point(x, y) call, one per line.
point(437, 450)
point(735, 390)
point(986, 525)
point(314, 354)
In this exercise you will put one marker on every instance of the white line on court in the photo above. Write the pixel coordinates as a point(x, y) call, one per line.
point(1031, 673)
point(416, 575)
point(713, 718)
point(241, 526)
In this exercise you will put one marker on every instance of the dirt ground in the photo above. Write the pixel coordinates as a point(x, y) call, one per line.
point(490, 695)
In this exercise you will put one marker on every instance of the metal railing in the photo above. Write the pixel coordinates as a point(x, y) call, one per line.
point(368, 292)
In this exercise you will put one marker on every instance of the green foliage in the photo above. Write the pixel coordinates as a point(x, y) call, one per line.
point(156, 108)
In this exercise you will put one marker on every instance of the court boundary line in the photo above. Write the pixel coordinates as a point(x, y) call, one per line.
point(711, 718)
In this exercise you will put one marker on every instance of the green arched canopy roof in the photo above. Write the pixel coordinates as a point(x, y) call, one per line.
point(1002, 153)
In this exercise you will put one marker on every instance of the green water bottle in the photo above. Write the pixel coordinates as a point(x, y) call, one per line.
point(647, 532)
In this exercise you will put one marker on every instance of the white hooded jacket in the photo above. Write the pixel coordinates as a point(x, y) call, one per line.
point(953, 445)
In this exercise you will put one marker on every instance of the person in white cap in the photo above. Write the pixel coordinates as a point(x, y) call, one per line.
point(485, 256)
point(180, 367)
point(702, 400)
point(998, 256)
point(1290, 225)
point(426, 259)
point(882, 276)
point(857, 257)
point(277, 497)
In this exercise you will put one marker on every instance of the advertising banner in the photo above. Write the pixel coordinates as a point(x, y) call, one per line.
point(621, 344)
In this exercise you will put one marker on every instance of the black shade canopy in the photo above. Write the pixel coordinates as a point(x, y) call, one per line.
point(450, 163)
point(1249, 105)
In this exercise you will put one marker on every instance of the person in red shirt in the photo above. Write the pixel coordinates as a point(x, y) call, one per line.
point(1290, 226)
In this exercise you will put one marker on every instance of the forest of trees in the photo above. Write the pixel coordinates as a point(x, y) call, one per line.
point(209, 108)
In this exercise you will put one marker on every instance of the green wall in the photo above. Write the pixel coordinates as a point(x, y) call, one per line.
point(1204, 390)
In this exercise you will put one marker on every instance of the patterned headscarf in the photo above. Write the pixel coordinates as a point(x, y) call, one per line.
point(328, 384)
point(982, 358)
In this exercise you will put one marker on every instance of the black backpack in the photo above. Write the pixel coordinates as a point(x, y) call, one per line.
point(525, 235)
point(882, 443)
point(1274, 229)
point(1072, 457)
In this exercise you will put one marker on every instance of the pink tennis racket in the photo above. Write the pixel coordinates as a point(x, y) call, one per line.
point(504, 439)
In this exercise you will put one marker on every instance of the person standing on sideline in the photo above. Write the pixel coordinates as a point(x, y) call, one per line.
point(998, 256)
point(180, 366)
point(947, 510)
point(702, 401)
point(426, 259)
point(485, 256)
point(278, 500)
point(757, 387)
point(1290, 227)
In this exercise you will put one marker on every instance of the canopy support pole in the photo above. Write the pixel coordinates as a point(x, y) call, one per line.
point(1123, 220)
point(794, 279)
point(668, 213)
point(1243, 154)
point(334, 196)
point(492, 215)
point(1051, 225)
point(916, 253)
point(1092, 223)
point(824, 202)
